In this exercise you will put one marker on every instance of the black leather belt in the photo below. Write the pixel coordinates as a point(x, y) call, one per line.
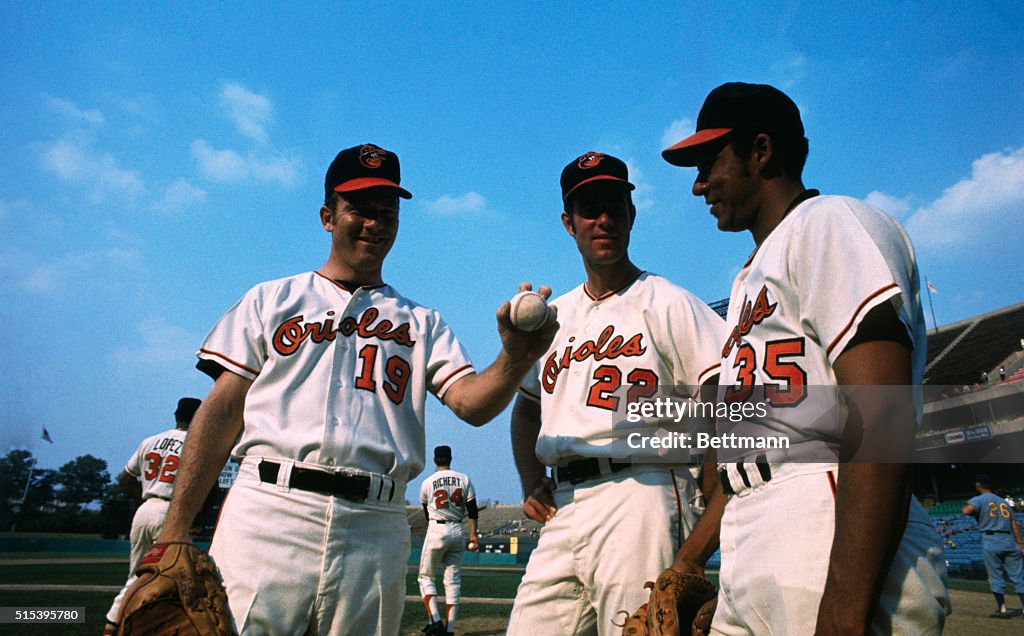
point(439, 520)
point(763, 469)
point(580, 470)
point(351, 487)
point(996, 532)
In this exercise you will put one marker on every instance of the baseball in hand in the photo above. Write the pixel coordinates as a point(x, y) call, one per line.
point(529, 311)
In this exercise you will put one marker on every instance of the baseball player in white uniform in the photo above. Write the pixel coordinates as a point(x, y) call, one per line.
point(828, 304)
point(149, 477)
point(321, 382)
point(448, 497)
point(613, 515)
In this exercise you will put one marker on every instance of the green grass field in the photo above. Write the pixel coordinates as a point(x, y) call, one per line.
point(971, 600)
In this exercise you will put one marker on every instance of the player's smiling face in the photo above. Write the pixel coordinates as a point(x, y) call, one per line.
point(725, 182)
point(363, 227)
point(600, 219)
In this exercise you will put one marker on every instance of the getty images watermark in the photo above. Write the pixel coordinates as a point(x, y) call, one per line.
point(912, 424)
point(665, 410)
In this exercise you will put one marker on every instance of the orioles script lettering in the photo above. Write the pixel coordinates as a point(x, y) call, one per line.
point(606, 347)
point(293, 332)
point(753, 313)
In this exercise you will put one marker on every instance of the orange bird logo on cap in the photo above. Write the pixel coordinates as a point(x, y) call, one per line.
point(590, 159)
point(371, 156)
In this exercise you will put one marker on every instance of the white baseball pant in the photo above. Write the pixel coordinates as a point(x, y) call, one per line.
point(444, 544)
point(298, 562)
point(776, 539)
point(609, 536)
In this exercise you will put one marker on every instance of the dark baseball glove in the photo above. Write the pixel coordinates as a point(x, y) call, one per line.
point(706, 613)
point(679, 604)
point(178, 592)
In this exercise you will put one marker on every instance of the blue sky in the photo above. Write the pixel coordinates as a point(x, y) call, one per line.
point(160, 160)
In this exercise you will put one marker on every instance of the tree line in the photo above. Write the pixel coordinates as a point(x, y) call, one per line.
point(79, 497)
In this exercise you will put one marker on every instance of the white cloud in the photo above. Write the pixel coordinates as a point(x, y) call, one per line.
point(643, 195)
point(69, 271)
point(985, 205)
point(250, 111)
point(161, 345)
point(65, 159)
point(219, 165)
point(69, 110)
point(230, 166)
point(97, 172)
point(888, 203)
point(180, 196)
point(469, 204)
point(677, 131)
point(790, 70)
point(281, 169)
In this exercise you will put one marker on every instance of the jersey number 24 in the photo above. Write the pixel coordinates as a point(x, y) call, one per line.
point(441, 498)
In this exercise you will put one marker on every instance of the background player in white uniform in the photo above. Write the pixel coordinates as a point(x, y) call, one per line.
point(448, 497)
point(1000, 543)
point(617, 515)
point(830, 300)
point(149, 477)
point(321, 381)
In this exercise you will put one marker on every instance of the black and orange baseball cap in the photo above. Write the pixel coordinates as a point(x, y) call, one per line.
point(593, 166)
point(757, 108)
point(362, 167)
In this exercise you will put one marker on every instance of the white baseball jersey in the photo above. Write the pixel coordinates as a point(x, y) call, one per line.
point(155, 462)
point(339, 377)
point(794, 308)
point(797, 303)
point(445, 494)
point(619, 346)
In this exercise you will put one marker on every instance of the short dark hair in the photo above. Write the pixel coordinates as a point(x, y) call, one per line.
point(791, 151)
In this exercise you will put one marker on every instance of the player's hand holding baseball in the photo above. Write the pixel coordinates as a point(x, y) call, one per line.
point(472, 543)
point(526, 345)
point(540, 503)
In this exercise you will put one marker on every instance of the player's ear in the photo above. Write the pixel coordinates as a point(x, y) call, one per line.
point(570, 227)
point(762, 151)
point(327, 218)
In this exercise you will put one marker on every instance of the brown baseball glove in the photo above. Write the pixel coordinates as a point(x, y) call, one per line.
point(178, 592)
point(636, 623)
point(679, 604)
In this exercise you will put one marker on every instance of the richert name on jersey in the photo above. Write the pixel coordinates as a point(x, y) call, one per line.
point(441, 482)
point(606, 347)
point(293, 332)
